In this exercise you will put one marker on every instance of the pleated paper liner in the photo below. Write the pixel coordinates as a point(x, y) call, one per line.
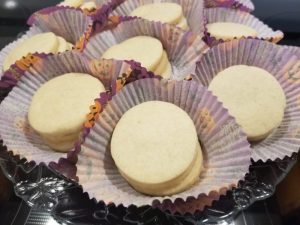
point(293, 49)
point(8, 48)
point(193, 11)
point(264, 32)
point(183, 47)
point(70, 23)
point(225, 147)
point(15, 130)
point(99, 4)
point(285, 140)
point(244, 5)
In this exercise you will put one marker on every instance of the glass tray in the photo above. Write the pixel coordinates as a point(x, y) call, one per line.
point(41, 187)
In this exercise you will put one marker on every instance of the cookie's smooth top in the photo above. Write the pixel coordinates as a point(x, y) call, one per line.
point(144, 49)
point(41, 43)
point(253, 96)
point(165, 12)
point(154, 142)
point(59, 107)
point(229, 31)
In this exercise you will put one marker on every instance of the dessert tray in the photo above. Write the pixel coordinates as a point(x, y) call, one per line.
point(63, 183)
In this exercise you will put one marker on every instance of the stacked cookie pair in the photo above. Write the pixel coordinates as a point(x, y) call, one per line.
point(153, 132)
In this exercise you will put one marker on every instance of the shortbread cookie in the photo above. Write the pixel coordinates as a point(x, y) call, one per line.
point(253, 96)
point(144, 49)
point(156, 148)
point(165, 12)
point(71, 3)
point(59, 107)
point(88, 6)
point(41, 43)
point(228, 31)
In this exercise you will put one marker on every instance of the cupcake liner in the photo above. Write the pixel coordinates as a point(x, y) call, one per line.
point(235, 16)
point(193, 10)
point(183, 48)
point(285, 140)
point(8, 48)
point(244, 5)
point(70, 23)
point(15, 130)
point(225, 147)
point(293, 50)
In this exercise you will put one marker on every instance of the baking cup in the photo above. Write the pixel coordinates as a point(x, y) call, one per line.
point(183, 47)
point(214, 15)
point(244, 5)
point(225, 147)
point(285, 140)
point(15, 130)
point(70, 23)
point(293, 49)
point(193, 10)
point(47, 10)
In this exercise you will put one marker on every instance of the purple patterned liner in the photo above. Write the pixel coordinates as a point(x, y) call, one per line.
point(70, 23)
point(285, 140)
point(168, 91)
point(243, 5)
point(193, 10)
point(23, 81)
point(293, 50)
point(230, 15)
point(183, 47)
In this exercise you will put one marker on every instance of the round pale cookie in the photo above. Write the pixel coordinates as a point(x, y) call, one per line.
point(253, 96)
point(165, 12)
point(71, 3)
point(144, 49)
point(41, 43)
point(164, 68)
point(88, 6)
point(59, 107)
point(229, 31)
point(155, 147)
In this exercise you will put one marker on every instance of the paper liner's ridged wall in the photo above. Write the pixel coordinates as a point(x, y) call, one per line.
point(193, 10)
point(71, 24)
point(285, 140)
point(226, 150)
point(244, 5)
point(15, 130)
point(8, 48)
point(235, 16)
point(293, 49)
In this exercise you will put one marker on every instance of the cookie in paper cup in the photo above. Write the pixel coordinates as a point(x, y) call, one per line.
point(70, 23)
point(225, 147)
point(15, 130)
point(193, 11)
point(285, 140)
point(244, 5)
point(264, 32)
point(8, 48)
point(183, 48)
